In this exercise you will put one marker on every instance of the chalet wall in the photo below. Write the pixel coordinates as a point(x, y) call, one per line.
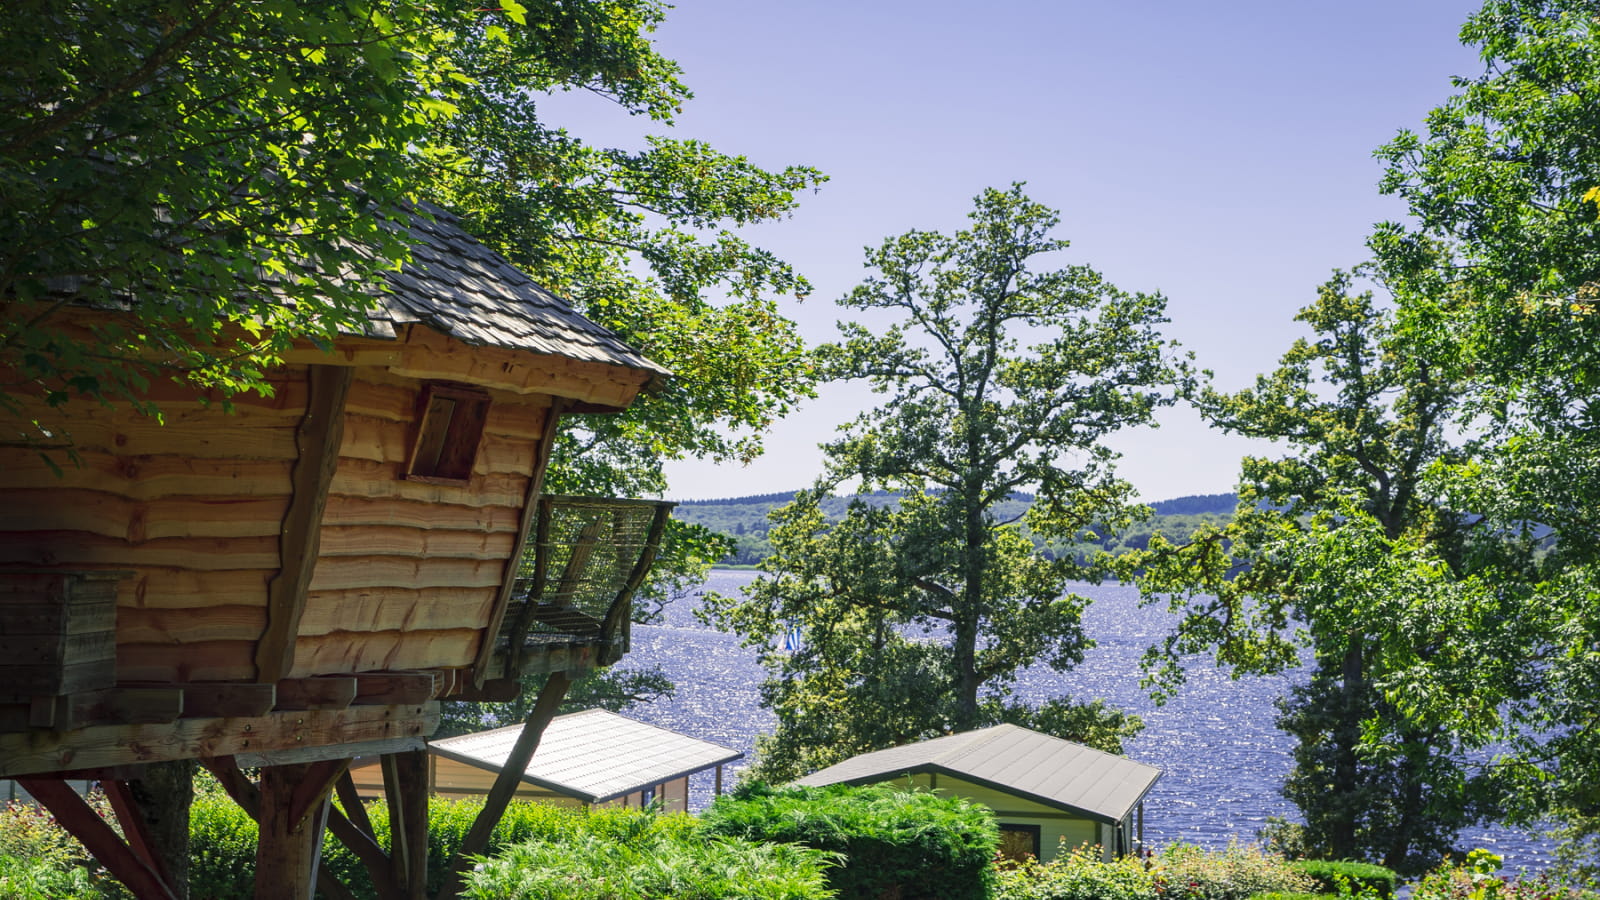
point(1057, 829)
point(190, 509)
point(404, 565)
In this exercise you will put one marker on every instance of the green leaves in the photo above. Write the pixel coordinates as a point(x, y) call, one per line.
point(914, 618)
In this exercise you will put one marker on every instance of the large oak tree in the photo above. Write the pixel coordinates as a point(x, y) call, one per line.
point(914, 618)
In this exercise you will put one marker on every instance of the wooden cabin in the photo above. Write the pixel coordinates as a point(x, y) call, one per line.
point(302, 579)
point(1046, 793)
point(593, 758)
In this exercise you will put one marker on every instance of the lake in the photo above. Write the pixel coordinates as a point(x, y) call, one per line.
point(1222, 759)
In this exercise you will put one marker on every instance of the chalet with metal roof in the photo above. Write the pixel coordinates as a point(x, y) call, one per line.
point(1045, 792)
point(300, 581)
point(589, 758)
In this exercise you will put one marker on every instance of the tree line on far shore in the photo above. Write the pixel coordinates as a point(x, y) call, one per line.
point(744, 522)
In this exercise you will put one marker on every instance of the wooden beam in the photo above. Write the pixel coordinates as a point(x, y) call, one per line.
point(103, 844)
point(316, 693)
point(508, 576)
point(354, 829)
point(227, 700)
point(317, 438)
point(134, 827)
point(405, 787)
point(360, 841)
point(237, 785)
point(505, 784)
point(118, 706)
point(494, 690)
point(314, 787)
point(354, 809)
point(332, 751)
point(112, 745)
point(392, 688)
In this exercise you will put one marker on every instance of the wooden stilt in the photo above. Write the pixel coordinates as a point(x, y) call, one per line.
point(505, 784)
point(249, 797)
point(290, 822)
point(405, 784)
point(365, 846)
point(101, 841)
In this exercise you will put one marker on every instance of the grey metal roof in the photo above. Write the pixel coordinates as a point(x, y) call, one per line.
point(1046, 769)
point(457, 286)
point(594, 755)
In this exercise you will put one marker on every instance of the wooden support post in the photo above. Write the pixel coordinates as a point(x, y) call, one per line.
point(405, 785)
point(505, 784)
point(248, 796)
point(97, 837)
point(292, 815)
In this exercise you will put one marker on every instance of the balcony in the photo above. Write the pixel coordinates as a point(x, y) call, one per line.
point(572, 602)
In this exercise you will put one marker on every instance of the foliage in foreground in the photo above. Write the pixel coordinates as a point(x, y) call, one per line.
point(1359, 877)
point(1180, 872)
point(648, 854)
point(894, 843)
point(1476, 878)
point(650, 863)
point(39, 860)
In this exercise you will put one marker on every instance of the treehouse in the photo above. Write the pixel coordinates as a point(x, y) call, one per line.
point(301, 580)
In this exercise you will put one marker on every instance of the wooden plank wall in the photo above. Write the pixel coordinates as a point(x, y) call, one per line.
point(191, 508)
point(408, 570)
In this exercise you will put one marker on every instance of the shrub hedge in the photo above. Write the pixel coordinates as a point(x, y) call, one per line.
point(1179, 872)
point(1361, 876)
point(616, 854)
point(892, 843)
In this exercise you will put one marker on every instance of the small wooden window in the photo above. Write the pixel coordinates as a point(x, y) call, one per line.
point(449, 432)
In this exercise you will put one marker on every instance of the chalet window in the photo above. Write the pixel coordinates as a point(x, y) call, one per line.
point(449, 431)
point(1018, 842)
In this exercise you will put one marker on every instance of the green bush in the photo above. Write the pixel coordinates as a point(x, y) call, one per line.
point(1359, 876)
point(40, 860)
point(894, 843)
point(1078, 875)
point(619, 849)
point(1475, 879)
point(650, 864)
point(1234, 873)
point(1179, 872)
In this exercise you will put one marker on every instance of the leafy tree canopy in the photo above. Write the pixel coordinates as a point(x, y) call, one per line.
point(1505, 174)
point(915, 618)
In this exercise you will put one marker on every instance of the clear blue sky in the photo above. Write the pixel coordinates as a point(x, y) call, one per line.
point(1220, 153)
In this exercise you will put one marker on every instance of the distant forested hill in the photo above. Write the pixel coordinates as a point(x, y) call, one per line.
point(744, 519)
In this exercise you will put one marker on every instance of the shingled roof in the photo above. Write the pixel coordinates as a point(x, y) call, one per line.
point(1042, 768)
point(457, 286)
point(594, 755)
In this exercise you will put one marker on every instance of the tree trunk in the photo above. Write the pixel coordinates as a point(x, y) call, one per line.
point(163, 794)
point(1346, 739)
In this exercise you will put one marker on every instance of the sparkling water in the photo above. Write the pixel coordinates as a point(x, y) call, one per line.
point(1222, 759)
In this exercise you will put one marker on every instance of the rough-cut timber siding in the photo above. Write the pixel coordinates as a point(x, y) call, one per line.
point(408, 570)
point(191, 509)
